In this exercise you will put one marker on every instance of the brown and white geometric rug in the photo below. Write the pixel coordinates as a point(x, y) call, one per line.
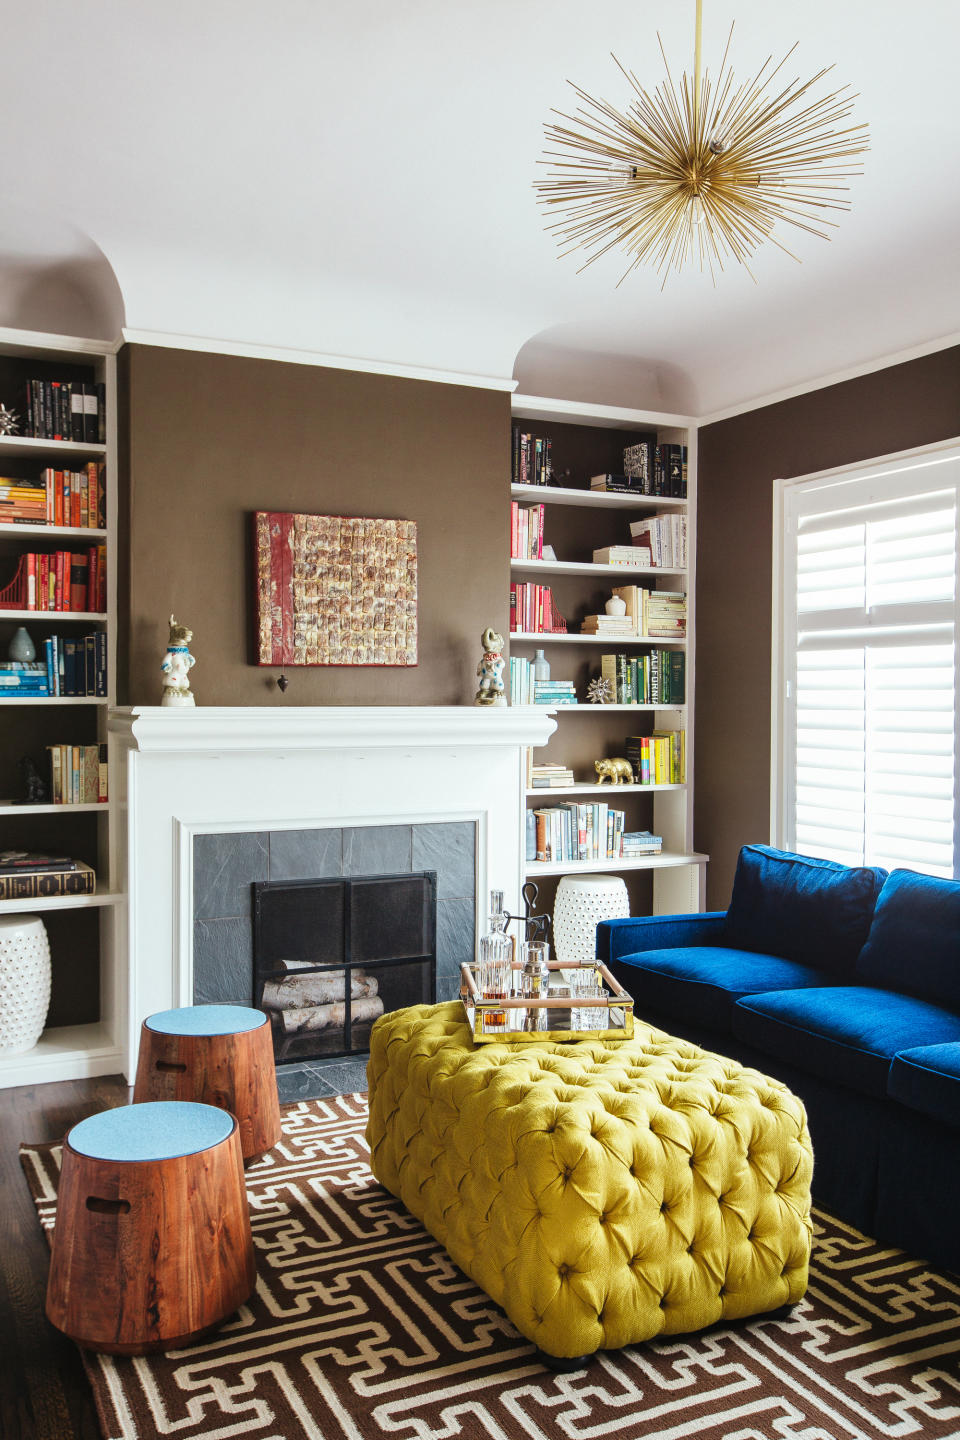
point(361, 1328)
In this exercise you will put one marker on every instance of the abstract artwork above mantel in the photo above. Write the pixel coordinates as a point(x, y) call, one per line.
point(335, 590)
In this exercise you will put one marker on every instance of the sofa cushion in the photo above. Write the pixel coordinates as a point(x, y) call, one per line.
point(815, 912)
point(914, 941)
point(928, 1079)
point(699, 983)
point(848, 1033)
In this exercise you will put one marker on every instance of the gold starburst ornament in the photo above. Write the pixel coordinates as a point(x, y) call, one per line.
point(703, 172)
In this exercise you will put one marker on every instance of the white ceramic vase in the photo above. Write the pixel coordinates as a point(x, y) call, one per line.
point(24, 982)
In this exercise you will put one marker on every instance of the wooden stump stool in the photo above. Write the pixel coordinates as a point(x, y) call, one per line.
point(152, 1243)
point(218, 1055)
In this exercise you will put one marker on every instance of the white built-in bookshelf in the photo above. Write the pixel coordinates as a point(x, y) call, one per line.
point(67, 1051)
point(667, 809)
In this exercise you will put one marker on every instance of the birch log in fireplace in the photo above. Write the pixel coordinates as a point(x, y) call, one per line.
point(180, 774)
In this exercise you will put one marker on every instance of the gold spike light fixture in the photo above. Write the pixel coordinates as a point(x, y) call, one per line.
point(699, 173)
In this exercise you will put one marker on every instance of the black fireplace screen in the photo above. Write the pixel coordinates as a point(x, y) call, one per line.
point(330, 956)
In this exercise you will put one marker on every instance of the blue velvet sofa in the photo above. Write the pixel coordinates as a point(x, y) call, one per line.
point(844, 983)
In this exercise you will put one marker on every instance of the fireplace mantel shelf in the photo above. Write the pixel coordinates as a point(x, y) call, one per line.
point(219, 728)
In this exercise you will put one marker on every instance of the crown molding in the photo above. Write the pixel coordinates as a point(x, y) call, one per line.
point(823, 382)
point(315, 357)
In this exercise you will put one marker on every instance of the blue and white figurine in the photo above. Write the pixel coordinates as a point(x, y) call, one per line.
point(176, 666)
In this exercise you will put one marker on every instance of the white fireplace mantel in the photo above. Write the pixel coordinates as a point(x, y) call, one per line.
point(184, 772)
point(309, 727)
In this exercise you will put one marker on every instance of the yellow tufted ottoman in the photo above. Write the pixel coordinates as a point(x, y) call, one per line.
point(601, 1192)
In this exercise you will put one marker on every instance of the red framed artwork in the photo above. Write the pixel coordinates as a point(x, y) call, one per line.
point(335, 590)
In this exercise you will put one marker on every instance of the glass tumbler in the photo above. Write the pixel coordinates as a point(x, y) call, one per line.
point(585, 984)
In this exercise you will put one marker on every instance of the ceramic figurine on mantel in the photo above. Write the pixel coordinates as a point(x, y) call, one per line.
point(176, 666)
point(490, 669)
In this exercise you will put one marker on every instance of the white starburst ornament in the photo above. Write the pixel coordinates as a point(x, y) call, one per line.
point(9, 421)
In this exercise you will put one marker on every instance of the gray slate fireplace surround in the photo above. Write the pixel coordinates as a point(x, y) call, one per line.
point(227, 865)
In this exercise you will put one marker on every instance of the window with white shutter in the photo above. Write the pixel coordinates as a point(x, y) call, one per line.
point(866, 695)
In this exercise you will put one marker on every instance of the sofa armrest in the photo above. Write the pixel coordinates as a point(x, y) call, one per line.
point(618, 939)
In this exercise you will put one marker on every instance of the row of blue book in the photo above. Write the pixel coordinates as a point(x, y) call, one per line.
point(73, 666)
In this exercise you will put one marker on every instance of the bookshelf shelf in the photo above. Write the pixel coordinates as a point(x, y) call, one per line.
point(664, 861)
point(55, 617)
point(62, 902)
point(588, 787)
point(24, 446)
point(574, 567)
point(8, 807)
point(613, 642)
point(603, 499)
point(78, 533)
point(581, 440)
point(606, 710)
point(90, 947)
point(66, 1052)
point(25, 700)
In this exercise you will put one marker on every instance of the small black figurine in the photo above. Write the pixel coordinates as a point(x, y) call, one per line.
point(33, 782)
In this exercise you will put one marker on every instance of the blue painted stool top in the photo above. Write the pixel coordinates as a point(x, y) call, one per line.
point(206, 1020)
point(155, 1130)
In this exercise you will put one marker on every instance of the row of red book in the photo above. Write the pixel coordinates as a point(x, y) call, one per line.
point(532, 610)
point(67, 580)
point(526, 531)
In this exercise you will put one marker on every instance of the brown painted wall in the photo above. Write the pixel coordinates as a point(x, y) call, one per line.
point(894, 409)
point(210, 438)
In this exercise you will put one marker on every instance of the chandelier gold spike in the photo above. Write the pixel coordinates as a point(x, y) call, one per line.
point(702, 172)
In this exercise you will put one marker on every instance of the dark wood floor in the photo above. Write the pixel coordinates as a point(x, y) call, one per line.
point(44, 1394)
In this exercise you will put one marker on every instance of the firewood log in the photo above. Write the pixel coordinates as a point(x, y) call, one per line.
point(329, 1017)
point(320, 988)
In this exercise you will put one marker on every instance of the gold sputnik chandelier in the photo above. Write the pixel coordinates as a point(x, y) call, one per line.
point(701, 173)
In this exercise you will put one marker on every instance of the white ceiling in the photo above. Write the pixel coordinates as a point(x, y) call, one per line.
point(354, 177)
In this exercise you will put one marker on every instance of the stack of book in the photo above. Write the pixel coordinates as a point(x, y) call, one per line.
point(660, 758)
point(67, 580)
point(546, 776)
point(532, 610)
point(654, 614)
point(554, 692)
point(665, 537)
point(22, 502)
point(521, 680)
point(76, 665)
point(659, 469)
point(570, 832)
point(65, 410)
point(78, 774)
point(532, 461)
point(658, 678)
point(76, 498)
point(608, 625)
point(634, 555)
point(630, 484)
point(26, 876)
point(634, 843)
point(526, 531)
point(21, 677)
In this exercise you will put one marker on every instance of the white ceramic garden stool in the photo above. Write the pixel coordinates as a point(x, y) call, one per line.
point(581, 902)
point(24, 982)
